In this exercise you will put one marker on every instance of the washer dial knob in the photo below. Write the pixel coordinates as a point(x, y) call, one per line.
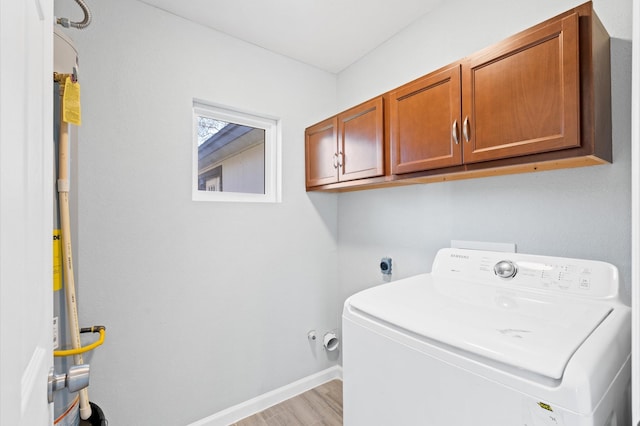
point(505, 269)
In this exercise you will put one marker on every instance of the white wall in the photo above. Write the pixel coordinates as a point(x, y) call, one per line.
point(206, 304)
point(583, 213)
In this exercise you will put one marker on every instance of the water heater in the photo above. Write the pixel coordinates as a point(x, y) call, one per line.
point(65, 403)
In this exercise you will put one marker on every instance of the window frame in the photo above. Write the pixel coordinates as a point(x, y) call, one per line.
point(272, 153)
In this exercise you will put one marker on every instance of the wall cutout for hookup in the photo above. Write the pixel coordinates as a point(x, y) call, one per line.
point(385, 265)
point(331, 341)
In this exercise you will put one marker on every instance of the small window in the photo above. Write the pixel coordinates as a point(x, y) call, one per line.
point(235, 155)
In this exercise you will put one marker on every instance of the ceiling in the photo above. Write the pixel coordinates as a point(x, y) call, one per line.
point(328, 34)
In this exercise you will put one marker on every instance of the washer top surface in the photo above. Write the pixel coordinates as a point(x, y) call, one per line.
point(521, 321)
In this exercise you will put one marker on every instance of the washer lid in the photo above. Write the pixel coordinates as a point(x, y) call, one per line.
point(524, 329)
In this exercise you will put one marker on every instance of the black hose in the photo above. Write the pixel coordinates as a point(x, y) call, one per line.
point(97, 417)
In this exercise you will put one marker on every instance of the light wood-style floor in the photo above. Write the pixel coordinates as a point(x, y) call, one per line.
point(321, 406)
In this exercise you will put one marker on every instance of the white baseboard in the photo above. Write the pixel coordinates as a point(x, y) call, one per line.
point(269, 399)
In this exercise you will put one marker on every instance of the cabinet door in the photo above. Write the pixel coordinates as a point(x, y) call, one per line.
point(425, 123)
point(523, 96)
point(361, 141)
point(321, 141)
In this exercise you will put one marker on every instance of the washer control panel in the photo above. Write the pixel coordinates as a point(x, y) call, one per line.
point(556, 274)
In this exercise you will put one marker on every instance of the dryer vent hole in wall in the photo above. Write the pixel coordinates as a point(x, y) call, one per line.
point(330, 340)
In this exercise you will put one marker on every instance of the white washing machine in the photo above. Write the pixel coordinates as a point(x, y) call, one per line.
point(490, 339)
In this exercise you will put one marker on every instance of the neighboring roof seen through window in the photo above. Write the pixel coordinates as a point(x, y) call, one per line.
point(208, 127)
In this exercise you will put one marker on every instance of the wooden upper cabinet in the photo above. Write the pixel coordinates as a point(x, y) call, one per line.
point(321, 141)
point(424, 121)
point(346, 147)
point(361, 141)
point(522, 96)
point(539, 100)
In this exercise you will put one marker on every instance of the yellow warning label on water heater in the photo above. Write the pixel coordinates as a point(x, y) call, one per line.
point(57, 260)
point(71, 103)
point(545, 406)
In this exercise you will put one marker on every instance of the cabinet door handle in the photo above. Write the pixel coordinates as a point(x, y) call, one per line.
point(340, 159)
point(454, 131)
point(335, 161)
point(465, 129)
